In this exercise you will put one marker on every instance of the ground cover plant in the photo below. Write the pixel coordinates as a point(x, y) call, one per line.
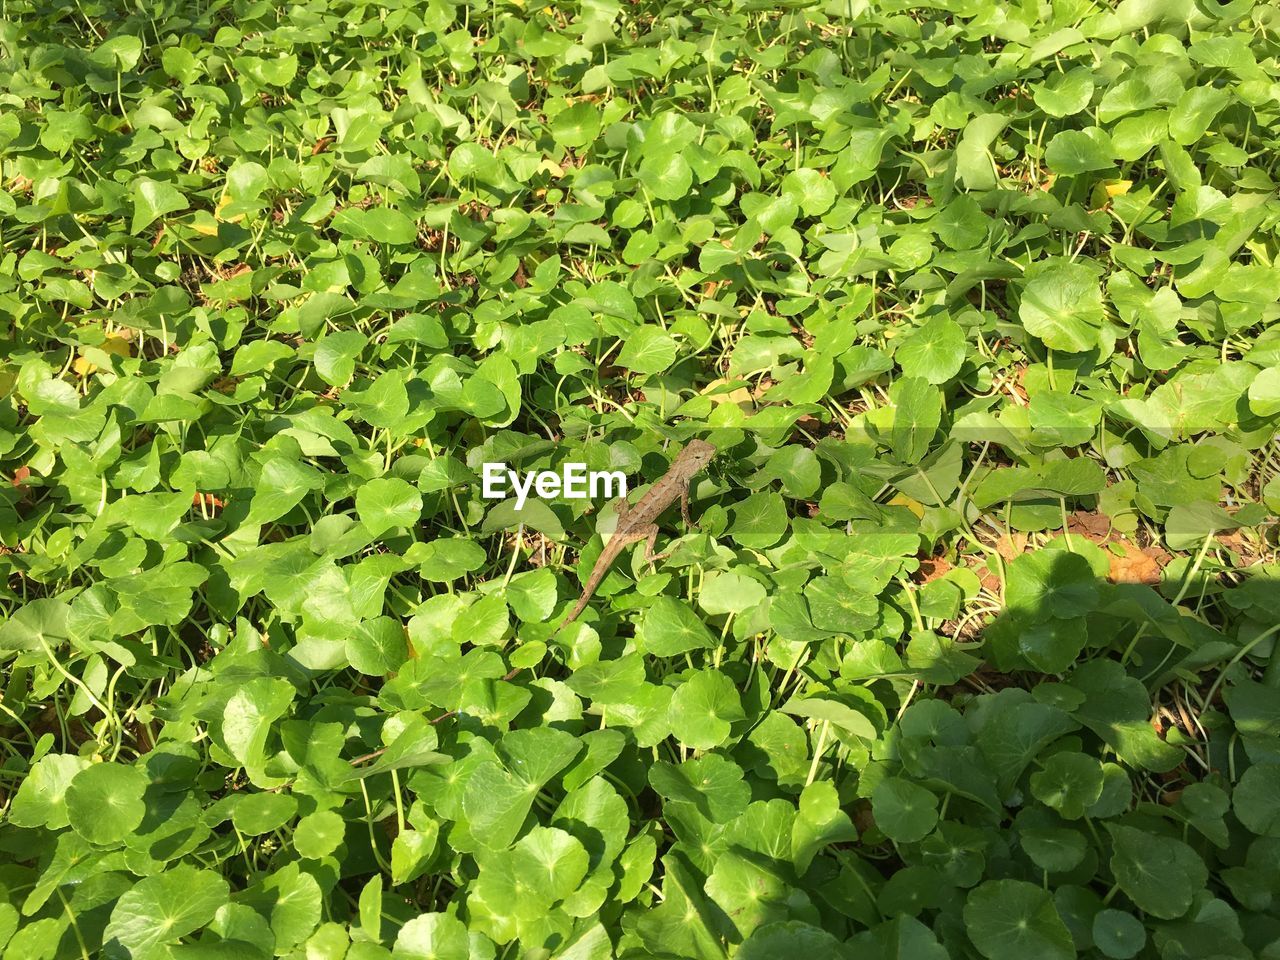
point(971, 652)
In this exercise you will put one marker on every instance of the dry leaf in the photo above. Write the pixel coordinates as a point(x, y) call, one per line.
point(1136, 566)
point(931, 568)
point(990, 582)
point(1012, 545)
point(1091, 524)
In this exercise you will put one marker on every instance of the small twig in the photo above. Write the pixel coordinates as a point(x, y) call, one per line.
point(356, 761)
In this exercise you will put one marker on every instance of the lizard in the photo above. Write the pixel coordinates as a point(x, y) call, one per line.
point(639, 522)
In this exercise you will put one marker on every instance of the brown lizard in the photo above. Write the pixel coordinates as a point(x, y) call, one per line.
point(640, 522)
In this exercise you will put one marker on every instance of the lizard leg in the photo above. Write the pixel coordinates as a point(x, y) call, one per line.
point(650, 534)
point(621, 508)
point(684, 507)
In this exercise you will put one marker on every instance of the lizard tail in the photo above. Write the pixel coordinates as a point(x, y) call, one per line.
point(577, 608)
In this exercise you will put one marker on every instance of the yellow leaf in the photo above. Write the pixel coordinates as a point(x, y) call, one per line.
point(915, 506)
point(223, 202)
point(114, 344)
point(117, 345)
point(715, 392)
point(1104, 193)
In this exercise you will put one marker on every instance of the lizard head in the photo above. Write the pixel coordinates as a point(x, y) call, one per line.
point(698, 451)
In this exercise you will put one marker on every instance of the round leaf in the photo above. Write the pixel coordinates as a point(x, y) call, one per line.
point(1257, 799)
point(432, 936)
point(1062, 305)
point(1014, 920)
point(387, 503)
point(104, 802)
point(670, 628)
point(702, 709)
point(164, 908)
point(1068, 782)
point(319, 834)
point(258, 813)
point(667, 175)
point(1118, 934)
point(904, 811)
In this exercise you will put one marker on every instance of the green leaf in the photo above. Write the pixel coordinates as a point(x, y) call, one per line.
point(917, 415)
point(711, 784)
point(667, 176)
point(152, 200)
point(35, 625)
point(730, 592)
point(576, 126)
point(1118, 934)
point(258, 813)
point(295, 904)
point(1264, 393)
point(1256, 799)
point(749, 891)
point(820, 822)
point(832, 710)
point(432, 936)
point(484, 623)
point(974, 163)
point(670, 628)
point(120, 52)
point(1069, 783)
point(1012, 920)
point(759, 520)
point(249, 714)
point(1065, 94)
point(1051, 583)
point(165, 908)
point(1118, 709)
point(1062, 304)
point(1188, 525)
point(647, 351)
point(497, 803)
point(1079, 151)
point(935, 352)
point(1160, 874)
point(387, 503)
point(411, 853)
point(319, 834)
point(104, 802)
point(790, 938)
point(281, 486)
point(41, 797)
point(335, 356)
point(904, 811)
point(390, 226)
point(1194, 112)
point(703, 708)
point(549, 861)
